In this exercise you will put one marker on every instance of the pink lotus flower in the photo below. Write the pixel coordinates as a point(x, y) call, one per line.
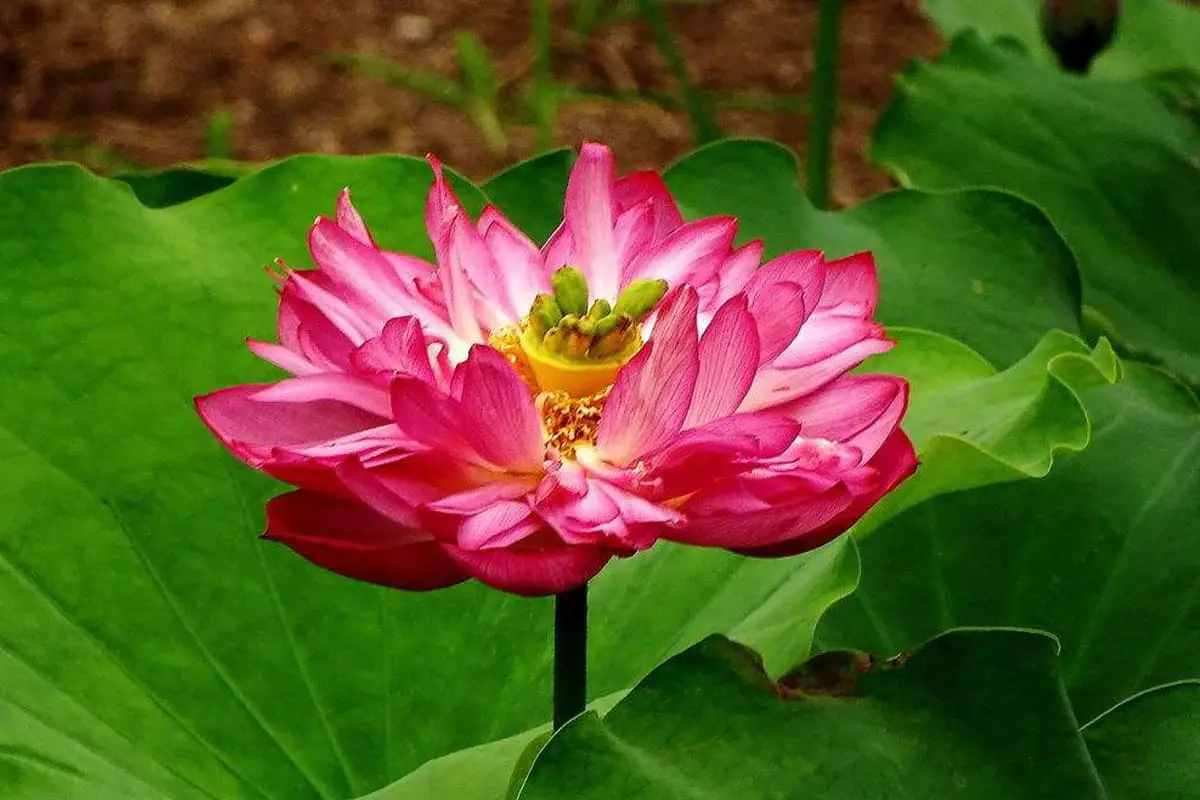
point(522, 415)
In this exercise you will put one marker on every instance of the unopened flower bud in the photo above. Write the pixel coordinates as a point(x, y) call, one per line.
point(1078, 30)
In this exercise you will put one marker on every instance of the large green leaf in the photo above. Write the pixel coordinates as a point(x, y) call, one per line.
point(1146, 747)
point(1115, 170)
point(151, 647)
point(1152, 36)
point(983, 267)
point(976, 713)
point(1103, 553)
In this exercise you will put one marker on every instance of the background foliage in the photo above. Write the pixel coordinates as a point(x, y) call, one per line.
point(1040, 577)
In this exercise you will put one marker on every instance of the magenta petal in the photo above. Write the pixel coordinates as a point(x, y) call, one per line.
point(498, 412)
point(774, 387)
point(400, 349)
point(349, 220)
point(691, 254)
point(858, 410)
point(239, 420)
point(282, 357)
point(346, 389)
point(895, 461)
point(533, 571)
point(729, 356)
point(653, 392)
point(521, 270)
point(648, 188)
point(357, 269)
point(779, 315)
point(633, 234)
point(588, 215)
point(765, 526)
point(432, 419)
point(501, 524)
point(348, 538)
point(737, 271)
point(851, 286)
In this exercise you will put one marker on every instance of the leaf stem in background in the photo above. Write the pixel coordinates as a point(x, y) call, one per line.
point(824, 103)
point(570, 654)
point(704, 127)
point(544, 90)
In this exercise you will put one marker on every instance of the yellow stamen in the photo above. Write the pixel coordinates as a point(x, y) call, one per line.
point(571, 422)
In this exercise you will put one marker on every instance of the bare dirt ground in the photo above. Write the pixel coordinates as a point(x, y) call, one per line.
point(113, 82)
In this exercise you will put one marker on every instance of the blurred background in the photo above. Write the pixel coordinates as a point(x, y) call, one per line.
point(124, 85)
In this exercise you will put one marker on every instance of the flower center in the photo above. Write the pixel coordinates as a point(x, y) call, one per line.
point(578, 348)
point(569, 352)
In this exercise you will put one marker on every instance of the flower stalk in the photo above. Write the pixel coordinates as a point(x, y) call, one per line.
point(570, 654)
point(824, 103)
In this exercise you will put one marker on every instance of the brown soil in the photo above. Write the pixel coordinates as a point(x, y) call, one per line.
point(137, 80)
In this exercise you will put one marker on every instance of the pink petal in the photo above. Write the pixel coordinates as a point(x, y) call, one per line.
point(895, 462)
point(648, 187)
point(533, 571)
point(348, 321)
point(859, 410)
point(327, 386)
point(349, 220)
point(522, 272)
point(498, 412)
point(691, 254)
point(634, 233)
point(825, 335)
point(282, 357)
point(430, 418)
point(348, 538)
point(779, 316)
point(653, 392)
point(477, 498)
point(851, 286)
point(358, 270)
point(724, 448)
point(305, 330)
point(400, 349)
point(501, 524)
point(245, 424)
point(806, 268)
point(737, 271)
point(763, 527)
point(398, 490)
point(588, 215)
point(728, 361)
point(777, 386)
point(463, 250)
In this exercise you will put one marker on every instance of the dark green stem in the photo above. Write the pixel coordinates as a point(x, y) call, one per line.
point(824, 103)
point(544, 90)
point(704, 127)
point(570, 654)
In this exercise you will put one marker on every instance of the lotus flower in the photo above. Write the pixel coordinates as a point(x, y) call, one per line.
point(521, 415)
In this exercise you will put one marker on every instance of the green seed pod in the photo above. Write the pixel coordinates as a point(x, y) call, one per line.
point(544, 314)
point(640, 297)
point(609, 344)
point(555, 340)
point(576, 345)
point(600, 308)
point(611, 323)
point(587, 326)
point(569, 322)
point(570, 290)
